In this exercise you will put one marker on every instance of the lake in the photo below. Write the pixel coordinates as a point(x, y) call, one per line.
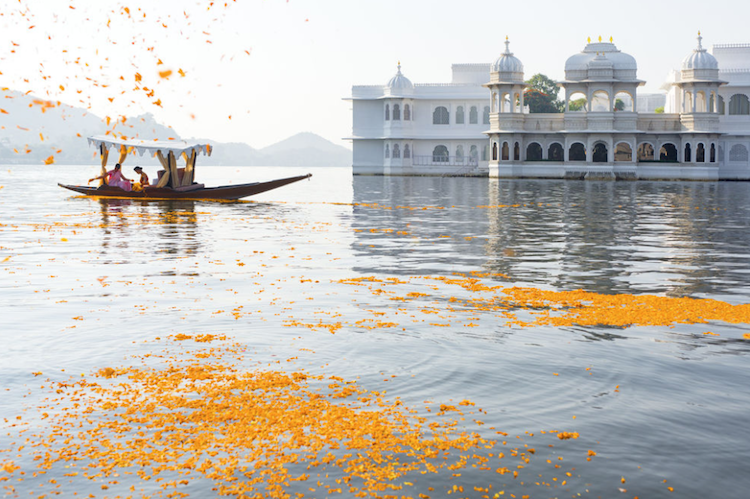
point(375, 336)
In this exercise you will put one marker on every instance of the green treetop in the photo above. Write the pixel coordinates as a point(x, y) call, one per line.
point(541, 96)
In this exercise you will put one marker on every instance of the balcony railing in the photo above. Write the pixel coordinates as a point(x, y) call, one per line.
point(439, 160)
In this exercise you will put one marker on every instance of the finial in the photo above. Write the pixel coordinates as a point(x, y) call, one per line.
point(588, 39)
point(600, 38)
point(700, 40)
point(398, 72)
point(611, 39)
point(507, 46)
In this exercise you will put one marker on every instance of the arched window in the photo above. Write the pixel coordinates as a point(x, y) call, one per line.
point(577, 152)
point(474, 153)
point(473, 115)
point(600, 154)
point(713, 153)
point(506, 152)
point(396, 112)
point(387, 112)
point(505, 103)
point(688, 158)
point(460, 115)
point(739, 104)
point(485, 152)
point(494, 151)
point(722, 108)
point(700, 153)
point(600, 101)
point(517, 152)
point(577, 102)
point(668, 153)
point(738, 152)
point(687, 105)
point(700, 102)
point(440, 116)
point(533, 152)
point(623, 152)
point(387, 151)
point(645, 152)
point(407, 113)
point(486, 115)
point(396, 150)
point(440, 154)
point(555, 152)
point(407, 150)
point(459, 153)
point(623, 102)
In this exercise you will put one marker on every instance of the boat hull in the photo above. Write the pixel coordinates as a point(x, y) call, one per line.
point(224, 192)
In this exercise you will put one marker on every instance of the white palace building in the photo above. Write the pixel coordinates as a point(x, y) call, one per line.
point(478, 124)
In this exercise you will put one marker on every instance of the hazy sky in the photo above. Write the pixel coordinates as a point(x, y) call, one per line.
point(279, 67)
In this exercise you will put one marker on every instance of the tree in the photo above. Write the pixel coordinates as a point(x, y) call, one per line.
point(539, 102)
point(541, 96)
point(619, 105)
point(578, 104)
point(659, 110)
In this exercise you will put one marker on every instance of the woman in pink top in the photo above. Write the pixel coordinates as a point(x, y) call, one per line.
point(114, 178)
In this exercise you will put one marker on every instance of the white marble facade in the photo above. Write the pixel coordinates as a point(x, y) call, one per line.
point(478, 124)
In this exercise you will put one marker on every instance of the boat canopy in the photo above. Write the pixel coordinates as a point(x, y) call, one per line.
point(150, 146)
point(167, 151)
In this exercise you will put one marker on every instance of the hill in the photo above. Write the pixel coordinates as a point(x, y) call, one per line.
point(306, 149)
point(33, 129)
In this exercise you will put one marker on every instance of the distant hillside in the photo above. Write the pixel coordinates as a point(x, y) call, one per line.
point(32, 129)
point(306, 149)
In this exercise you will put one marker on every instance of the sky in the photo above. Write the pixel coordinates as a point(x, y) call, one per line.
point(259, 71)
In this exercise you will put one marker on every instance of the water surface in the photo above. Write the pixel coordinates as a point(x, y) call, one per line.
point(89, 283)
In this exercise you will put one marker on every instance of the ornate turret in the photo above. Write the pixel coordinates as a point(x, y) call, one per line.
point(507, 67)
point(399, 85)
point(700, 65)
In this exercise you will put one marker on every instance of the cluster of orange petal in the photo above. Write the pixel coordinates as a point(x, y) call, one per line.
point(251, 433)
point(89, 71)
point(557, 308)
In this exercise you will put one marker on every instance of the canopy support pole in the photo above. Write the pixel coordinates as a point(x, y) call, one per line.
point(175, 179)
point(104, 152)
point(165, 176)
point(187, 179)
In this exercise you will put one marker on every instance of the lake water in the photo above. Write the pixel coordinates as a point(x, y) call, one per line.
point(402, 285)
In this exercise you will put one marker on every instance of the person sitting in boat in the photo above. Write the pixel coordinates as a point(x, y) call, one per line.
point(114, 178)
point(143, 181)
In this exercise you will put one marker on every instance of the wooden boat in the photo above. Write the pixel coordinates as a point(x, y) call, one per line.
point(172, 182)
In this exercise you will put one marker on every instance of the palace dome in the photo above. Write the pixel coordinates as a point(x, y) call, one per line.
point(700, 58)
point(507, 62)
point(623, 65)
point(399, 84)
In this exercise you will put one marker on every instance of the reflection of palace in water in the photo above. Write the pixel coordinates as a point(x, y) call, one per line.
point(133, 229)
point(681, 238)
point(410, 207)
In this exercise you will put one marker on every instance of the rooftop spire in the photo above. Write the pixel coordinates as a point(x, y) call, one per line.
point(700, 43)
point(507, 46)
